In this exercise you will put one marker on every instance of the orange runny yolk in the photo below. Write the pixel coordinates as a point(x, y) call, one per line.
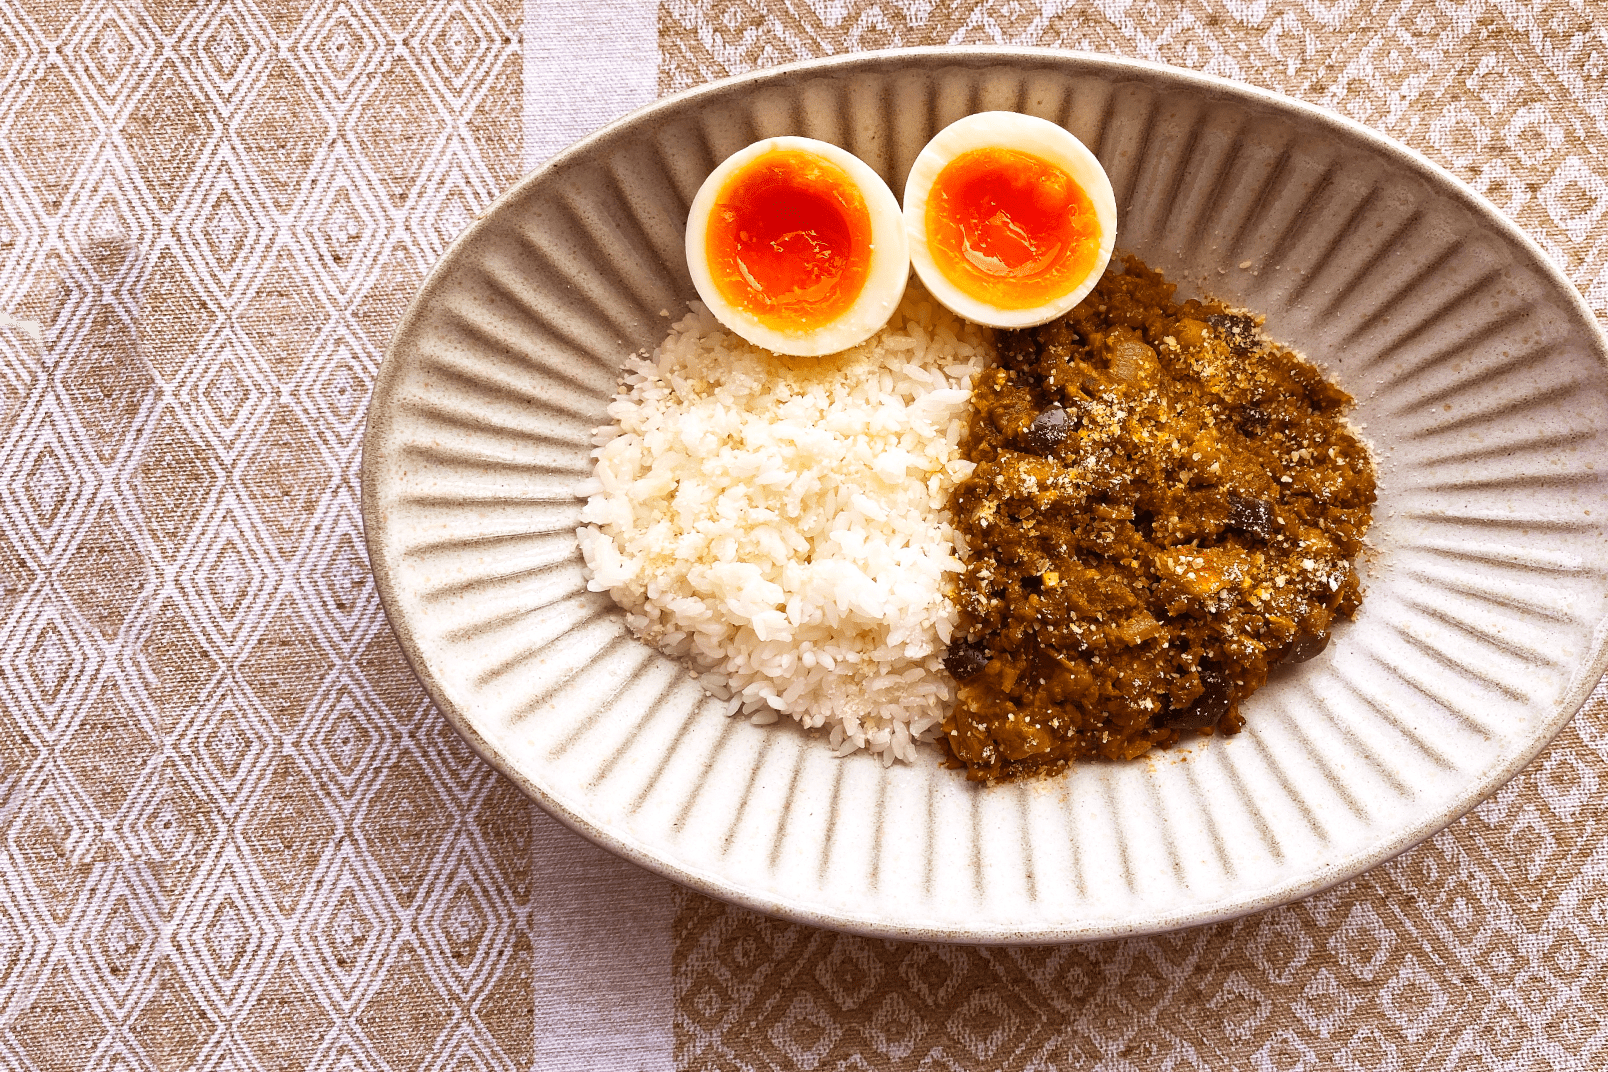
point(1011, 229)
point(789, 240)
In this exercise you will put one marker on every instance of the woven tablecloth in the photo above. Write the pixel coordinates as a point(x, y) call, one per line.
point(237, 836)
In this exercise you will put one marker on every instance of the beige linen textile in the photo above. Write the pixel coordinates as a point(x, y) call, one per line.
point(236, 834)
point(1484, 949)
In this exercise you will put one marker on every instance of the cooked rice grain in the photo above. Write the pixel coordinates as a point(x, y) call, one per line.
point(780, 523)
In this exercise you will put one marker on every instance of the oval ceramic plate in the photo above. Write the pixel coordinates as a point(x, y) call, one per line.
point(1481, 383)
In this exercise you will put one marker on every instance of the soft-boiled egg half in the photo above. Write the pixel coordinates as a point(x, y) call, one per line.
point(798, 246)
point(1010, 218)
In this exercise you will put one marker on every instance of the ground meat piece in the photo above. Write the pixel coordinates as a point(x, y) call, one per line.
point(964, 659)
point(1138, 562)
point(1253, 421)
point(1208, 709)
point(1253, 517)
point(1236, 329)
point(1016, 349)
point(1307, 646)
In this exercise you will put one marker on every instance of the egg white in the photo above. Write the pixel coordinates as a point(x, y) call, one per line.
point(1028, 134)
point(888, 272)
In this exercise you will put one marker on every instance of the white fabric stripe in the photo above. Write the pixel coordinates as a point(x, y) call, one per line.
point(585, 64)
point(601, 970)
point(601, 974)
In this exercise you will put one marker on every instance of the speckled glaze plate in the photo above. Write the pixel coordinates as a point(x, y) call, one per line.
point(1482, 384)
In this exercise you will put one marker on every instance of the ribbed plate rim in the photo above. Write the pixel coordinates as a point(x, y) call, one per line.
point(1117, 68)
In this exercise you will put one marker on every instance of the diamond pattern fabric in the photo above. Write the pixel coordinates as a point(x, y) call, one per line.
point(237, 835)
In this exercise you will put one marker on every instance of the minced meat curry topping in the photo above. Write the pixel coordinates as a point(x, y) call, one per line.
point(1165, 505)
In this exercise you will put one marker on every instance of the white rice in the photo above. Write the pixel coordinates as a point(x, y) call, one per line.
point(781, 523)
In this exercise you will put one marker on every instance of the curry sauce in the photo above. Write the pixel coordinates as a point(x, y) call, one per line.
point(1165, 505)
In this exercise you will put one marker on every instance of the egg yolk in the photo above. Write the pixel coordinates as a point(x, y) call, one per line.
point(789, 240)
point(1011, 229)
